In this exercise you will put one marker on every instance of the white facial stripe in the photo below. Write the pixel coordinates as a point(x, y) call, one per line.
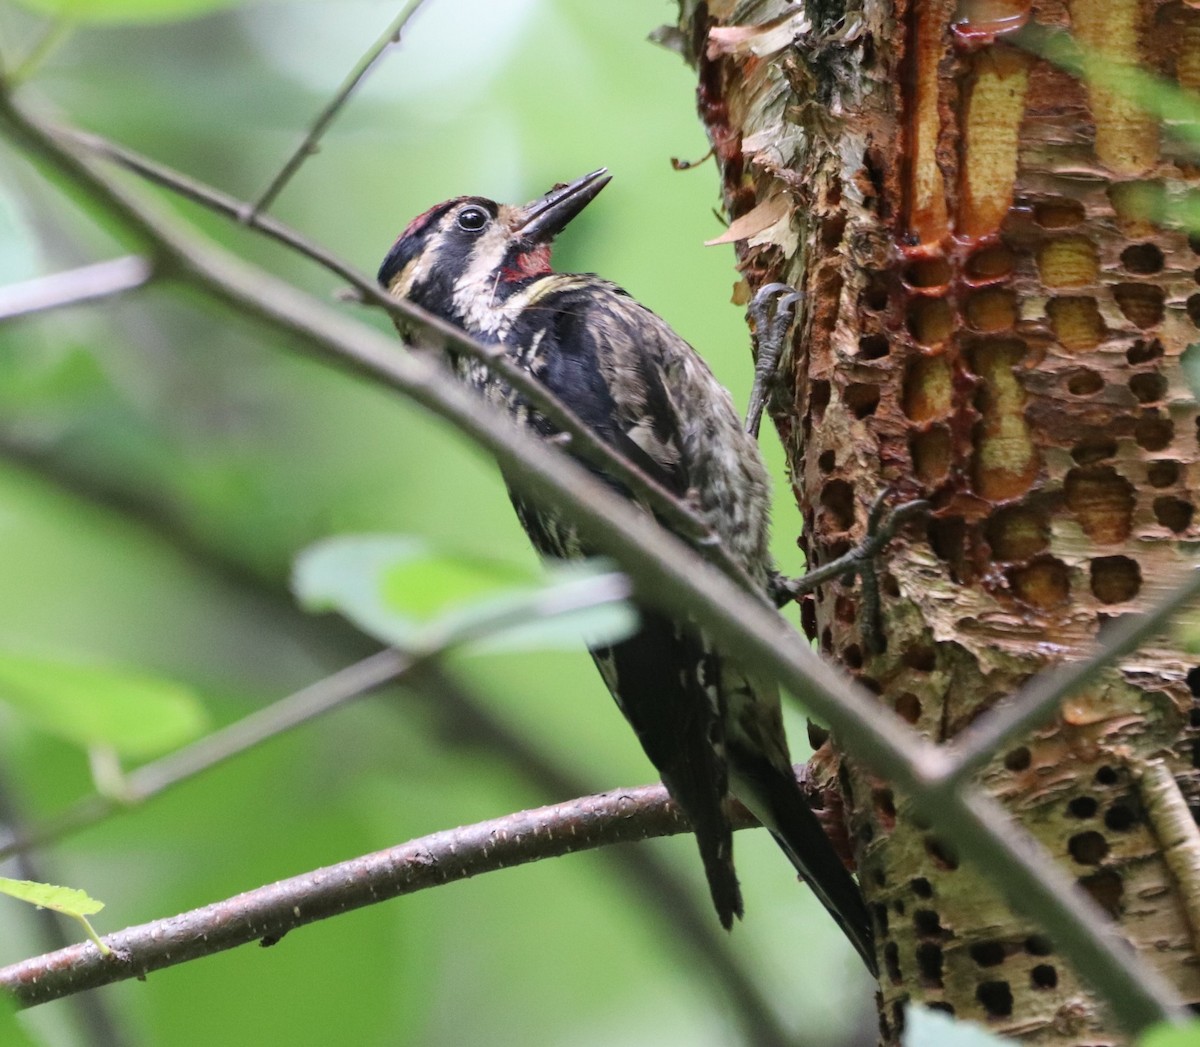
point(475, 292)
point(419, 268)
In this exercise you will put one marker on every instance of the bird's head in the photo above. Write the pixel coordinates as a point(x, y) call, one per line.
point(463, 257)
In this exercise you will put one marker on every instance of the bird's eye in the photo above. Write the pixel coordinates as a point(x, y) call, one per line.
point(472, 219)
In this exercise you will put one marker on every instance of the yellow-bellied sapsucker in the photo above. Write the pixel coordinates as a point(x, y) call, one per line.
point(706, 724)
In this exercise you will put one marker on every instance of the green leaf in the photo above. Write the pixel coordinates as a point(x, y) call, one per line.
point(67, 900)
point(1186, 1035)
point(92, 705)
point(405, 593)
point(925, 1027)
point(125, 10)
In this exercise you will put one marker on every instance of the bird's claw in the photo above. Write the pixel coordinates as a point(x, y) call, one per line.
point(772, 311)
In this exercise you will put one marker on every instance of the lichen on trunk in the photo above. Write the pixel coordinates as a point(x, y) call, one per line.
point(996, 308)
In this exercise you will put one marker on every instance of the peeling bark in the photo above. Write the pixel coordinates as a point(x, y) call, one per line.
point(994, 321)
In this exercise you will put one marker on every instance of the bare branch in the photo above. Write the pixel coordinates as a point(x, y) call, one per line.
point(667, 572)
point(74, 286)
point(268, 913)
point(391, 35)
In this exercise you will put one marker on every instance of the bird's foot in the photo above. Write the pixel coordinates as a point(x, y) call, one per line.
point(882, 525)
point(772, 311)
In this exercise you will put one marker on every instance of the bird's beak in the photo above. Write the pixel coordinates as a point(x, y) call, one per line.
point(547, 216)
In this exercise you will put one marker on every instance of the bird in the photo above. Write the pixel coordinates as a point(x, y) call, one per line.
point(711, 728)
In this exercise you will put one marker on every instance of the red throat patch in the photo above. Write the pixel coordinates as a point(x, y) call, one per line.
point(534, 262)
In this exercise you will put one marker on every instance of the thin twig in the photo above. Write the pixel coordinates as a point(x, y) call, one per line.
point(358, 74)
point(583, 441)
point(156, 777)
point(369, 674)
point(666, 571)
point(74, 286)
point(977, 744)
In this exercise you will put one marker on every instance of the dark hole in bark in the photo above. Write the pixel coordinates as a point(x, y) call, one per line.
point(873, 346)
point(1163, 473)
point(819, 399)
point(891, 960)
point(881, 919)
point(1173, 513)
point(996, 998)
point(1115, 579)
point(1120, 817)
point(1142, 258)
point(1148, 387)
point(862, 399)
point(921, 887)
point(1017, 759)
point(1038, 945)
point(885, 803)
point(940, 853)
point(1153, 433)
point(927, 922)
point(1088, 848)
point(1142, 304)
point(875, 294)
point(908, 707)
point(1106, 888)
point(1082, 807)
point(987, 954)
point(1143, 351)
point(1043, 976)
point(1084, 382)
point(837, 496)
point(1193, 680)
point(1094, 449)
point(929, 963)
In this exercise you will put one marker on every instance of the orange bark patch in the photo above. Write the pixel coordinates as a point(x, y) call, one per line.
point(1102, 501)
point(928, 389)
point(1075, 322)
point(1068, 261)
point(1006, 460)
point(1109, 34)
point(995, 105)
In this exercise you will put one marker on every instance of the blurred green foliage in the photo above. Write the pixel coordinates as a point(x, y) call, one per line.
point(161, 465)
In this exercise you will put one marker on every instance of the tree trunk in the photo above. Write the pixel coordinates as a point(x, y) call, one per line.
point(993, 322)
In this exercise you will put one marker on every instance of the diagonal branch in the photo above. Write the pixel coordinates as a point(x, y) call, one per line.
point(391, 35)
point(1035, 703)
point(666, 571)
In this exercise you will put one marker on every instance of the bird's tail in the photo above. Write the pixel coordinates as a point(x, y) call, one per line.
point(776, 799)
